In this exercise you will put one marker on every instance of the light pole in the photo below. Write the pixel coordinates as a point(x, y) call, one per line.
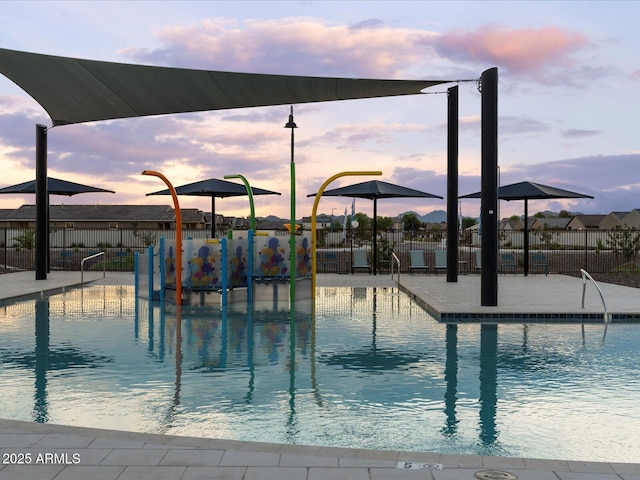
point(292, 231)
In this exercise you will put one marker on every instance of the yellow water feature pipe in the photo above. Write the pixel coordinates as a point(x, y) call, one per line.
point(176, 206)
point(313, 219)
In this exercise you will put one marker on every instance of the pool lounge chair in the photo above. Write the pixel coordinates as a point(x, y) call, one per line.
point(417, 261)
point(478, 260)
point(508, 262)
point(330, 262)
point(540, 263)
point(441, 260)
point(360, 261)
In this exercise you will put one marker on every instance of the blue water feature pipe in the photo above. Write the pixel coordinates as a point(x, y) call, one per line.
point(150, 273)
point(250, 249)
point(163, 268)
point(225, 263)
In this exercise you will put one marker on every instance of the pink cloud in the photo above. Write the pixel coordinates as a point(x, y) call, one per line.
point(290, 46)
point(518, 51)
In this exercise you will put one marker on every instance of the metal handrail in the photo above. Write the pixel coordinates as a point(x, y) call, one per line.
point(585, 275)
point(104, 267)
point(395, 259)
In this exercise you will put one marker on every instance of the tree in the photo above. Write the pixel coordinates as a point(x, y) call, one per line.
point(624, 241)
point(411, 222)
point(468, 222)
point(384, 223)
point(25, 241)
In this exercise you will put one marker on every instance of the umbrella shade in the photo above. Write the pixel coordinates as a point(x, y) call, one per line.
point(529, 191)
point(55, 186)
point(213, 188)
point(375, 189)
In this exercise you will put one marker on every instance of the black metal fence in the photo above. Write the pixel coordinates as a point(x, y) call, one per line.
point(597, 251)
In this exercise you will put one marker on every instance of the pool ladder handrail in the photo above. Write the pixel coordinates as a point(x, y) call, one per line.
point(104, 267)
point(395, 259)
point(586, 275)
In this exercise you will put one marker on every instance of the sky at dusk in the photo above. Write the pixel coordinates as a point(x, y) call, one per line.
point(569, 90)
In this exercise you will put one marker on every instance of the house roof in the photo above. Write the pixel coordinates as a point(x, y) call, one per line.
point(592, 221)
point(88, 213)
point(555, 222)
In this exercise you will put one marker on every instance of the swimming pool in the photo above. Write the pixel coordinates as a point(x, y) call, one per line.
point(370, 369)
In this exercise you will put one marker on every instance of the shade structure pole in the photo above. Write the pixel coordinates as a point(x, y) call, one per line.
point(375, 236)
point(489, 198)
point(526, 237)
point(42, 200)
point(292, 233)
point(213, 216)
point(452, 185)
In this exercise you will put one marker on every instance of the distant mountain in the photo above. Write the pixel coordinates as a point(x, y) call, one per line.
point(437, 216)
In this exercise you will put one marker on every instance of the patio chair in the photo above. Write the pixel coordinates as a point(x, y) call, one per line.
point(330, 262)
point(478, 260)
point(507, 261)
point(64, 262)
point(417, 261)
point(360, 261)
point(540, 262)
point(441, 260)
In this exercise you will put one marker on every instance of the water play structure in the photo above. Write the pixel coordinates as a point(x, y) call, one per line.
point(231, 268)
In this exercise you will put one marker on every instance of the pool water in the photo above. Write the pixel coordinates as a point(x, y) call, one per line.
point(368, 369)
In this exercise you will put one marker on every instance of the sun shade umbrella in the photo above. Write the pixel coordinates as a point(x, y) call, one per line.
point(213, 188)
point(373, 190)
point(529, 191)
point(55, 186)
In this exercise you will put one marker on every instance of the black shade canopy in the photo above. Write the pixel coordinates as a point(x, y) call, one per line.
point(55, 186)
point(75, 90)
point(213, 188)
point(529, 191)
point(373, 190)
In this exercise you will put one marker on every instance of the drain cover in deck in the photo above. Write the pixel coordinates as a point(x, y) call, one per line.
point(495, 475)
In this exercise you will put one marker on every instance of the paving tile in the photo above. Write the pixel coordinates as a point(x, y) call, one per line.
point(368, 462)
point(30, 472)
point(501, 463)
point(237, 458)
point(323, 473)
point(337, 452)
point(277, 473)
point(214, 473)
point(456, 474)
point(93, 472)
point(399, 474)
point(17, 440)
point(593, 467)
point(461, 461)
point(586, 476)
point(134, 456)
point(287, 460)
point(629, 468)
point(152, 473)
point(193, 458)
point(544, 464)
point(115, 442)
point(301, 450)
point(64, 440)
point(88, 456)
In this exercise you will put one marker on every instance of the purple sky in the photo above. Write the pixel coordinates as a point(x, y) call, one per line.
point(569, 86)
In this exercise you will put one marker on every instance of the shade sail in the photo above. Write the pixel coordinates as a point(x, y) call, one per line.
point(213, 188)
point(55, 186)
point(529, 191)
point(75, 90)
point(373, 190)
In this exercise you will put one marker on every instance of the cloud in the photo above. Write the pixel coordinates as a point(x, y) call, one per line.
point(298, 46)
point(517, 51)
point(577, 133)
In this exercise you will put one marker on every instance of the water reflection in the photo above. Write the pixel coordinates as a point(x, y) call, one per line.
point(362, 356)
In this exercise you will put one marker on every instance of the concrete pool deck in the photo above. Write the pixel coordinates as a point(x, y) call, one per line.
point(58, 452)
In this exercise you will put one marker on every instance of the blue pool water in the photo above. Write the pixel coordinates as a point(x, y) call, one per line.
point(370, 369)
